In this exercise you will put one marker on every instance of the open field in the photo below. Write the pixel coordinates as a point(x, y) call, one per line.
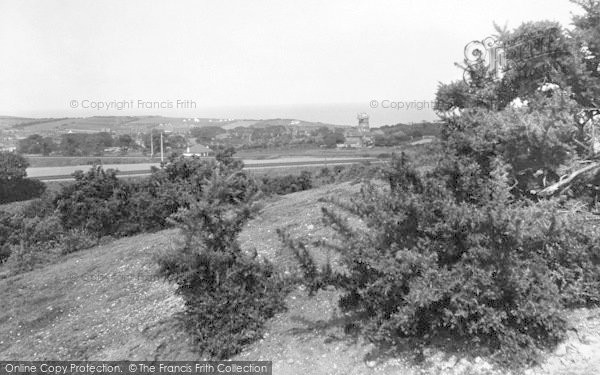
point(61, 161)
point(49, 173)
point(295, 170)
point(322, 152)
point(76, 124)
point(107, 303)
point(10, 121)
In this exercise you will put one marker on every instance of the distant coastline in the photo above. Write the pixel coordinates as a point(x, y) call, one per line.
point(337, 114)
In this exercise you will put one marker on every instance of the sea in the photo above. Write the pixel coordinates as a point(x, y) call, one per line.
point(384, 113)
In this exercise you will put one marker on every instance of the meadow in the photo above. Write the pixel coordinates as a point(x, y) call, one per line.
point(374, 152)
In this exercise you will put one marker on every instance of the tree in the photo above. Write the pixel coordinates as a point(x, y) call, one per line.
point(537, 53)
point(36, 144)
point(175, 141)
point(554, 75)
point(81, 144)
point(12, 167)
point(466, 248)
point(206, 134)
point(586, 35)
point(333, 138)
point(416, 134)
point(125, 141)
point(13, 184)
point(98, 142)
point(152, 139)
point(226, 160)
point(535, 141)
point(69, 146)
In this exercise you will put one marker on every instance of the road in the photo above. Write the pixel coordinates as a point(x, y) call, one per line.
point(64, 173)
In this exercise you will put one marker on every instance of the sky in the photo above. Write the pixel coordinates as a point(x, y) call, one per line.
point(229, 58)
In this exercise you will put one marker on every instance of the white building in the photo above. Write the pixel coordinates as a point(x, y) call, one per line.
point(198, 150)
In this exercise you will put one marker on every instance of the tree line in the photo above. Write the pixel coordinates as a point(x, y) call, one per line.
point(95, 144)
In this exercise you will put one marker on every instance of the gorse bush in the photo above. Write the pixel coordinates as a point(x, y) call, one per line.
point(95, 202)
point(286, 184)
point(31, 240)
point(33, 226)
point(21, 190)
point(292, 183)
point(343, 173)
point(228, 293)
point(76, 239)
point(6, 230)
point(534, 141)
point(101, 204)
point(98, 205)
point(427, 262)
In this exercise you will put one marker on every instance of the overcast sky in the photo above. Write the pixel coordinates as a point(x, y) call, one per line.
point(241, 53)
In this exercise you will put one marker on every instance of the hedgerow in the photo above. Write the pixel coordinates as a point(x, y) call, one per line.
point(96, 205)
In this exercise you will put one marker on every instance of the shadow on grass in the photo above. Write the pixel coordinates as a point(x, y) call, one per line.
point(338, 328)
point(431, 354)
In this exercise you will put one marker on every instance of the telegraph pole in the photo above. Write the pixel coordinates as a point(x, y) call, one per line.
point(161, 147)
point(151, 145)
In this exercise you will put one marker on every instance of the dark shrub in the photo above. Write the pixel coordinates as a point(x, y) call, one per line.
point(228, 294)
point(98, 205)
point(23, 259)
point(96, 202)
point(286, 184)
point(42, 231)
point(342, 173)
point(32, 243)
point(40, 207)
point(13, 184)
point(20, 190)
point(4, 253)
point(151, 206)
point(33, 223)
point(6, 230)
point(534, 141)
point(12, 166)
point(101, 204)
point(430, 262)
point(75, 240)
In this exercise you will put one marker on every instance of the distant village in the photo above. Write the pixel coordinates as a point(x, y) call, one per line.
point(99, 136)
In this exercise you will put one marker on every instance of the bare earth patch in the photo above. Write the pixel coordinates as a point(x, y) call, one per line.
point(106, 303)
point(100, 303)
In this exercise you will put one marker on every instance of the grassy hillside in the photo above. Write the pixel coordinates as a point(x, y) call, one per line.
point(10, 121)
point(106, 303)
point(290, 122)
point(97, 304)
point(143, 123)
